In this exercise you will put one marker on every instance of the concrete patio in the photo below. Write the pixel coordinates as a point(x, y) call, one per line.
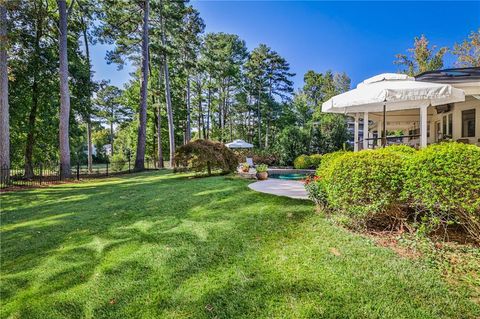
point(280, 187)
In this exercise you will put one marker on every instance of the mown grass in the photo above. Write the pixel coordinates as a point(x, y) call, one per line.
point(159, 245)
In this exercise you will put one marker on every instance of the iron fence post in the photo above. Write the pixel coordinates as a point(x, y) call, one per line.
point(128, 163)
point(107, 168)
point(78, 171)
point(41, 173)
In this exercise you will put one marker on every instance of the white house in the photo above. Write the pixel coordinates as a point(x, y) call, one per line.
point(446, 103)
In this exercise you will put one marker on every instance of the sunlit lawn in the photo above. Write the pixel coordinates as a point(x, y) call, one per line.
point(159, 245)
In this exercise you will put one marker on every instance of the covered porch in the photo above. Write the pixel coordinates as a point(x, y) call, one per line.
point(396, 109)
point(394, 127)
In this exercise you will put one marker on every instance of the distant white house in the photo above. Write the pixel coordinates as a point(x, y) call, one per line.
point(457, 119)
point(107, 148)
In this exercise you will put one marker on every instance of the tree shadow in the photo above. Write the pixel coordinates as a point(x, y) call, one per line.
point(193, 225)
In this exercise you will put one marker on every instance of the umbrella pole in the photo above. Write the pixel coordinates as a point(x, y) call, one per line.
point(384, 133)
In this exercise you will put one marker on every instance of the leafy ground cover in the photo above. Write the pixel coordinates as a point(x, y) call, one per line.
point(157, 244)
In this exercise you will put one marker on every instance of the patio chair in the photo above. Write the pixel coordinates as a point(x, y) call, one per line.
point(249, 161)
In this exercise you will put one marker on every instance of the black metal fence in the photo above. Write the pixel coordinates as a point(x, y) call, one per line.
point(49, 173)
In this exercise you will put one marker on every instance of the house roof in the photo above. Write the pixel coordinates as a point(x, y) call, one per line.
point(455, 75)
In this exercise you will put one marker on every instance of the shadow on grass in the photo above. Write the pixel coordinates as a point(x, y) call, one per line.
point(165, 245)
point(128, 237)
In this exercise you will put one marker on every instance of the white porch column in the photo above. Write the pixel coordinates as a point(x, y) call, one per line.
point(355, 132)
point(365, 130)
point(379, 133)
point(423, 127)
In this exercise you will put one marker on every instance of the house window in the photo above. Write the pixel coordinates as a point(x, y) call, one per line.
point(468, 123)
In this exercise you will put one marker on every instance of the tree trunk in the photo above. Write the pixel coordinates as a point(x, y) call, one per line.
point(171, 128)
point(188, 134)
point(111, 136)
point(159, 122)
point(64, 94)
point(226, 113)
point(209, 101)
point(142, 125)
point(4, 111)
point(220, 111)
point(259, 117)
point(269, 111)
point(154, 131)
point(159, 137)
point(90, 146)
point(249, 120)
point(231, 127)
point(267, 130)
point(88, 119)
point(201, 127)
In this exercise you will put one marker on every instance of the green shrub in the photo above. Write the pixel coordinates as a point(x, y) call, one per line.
point(301, 162)
point(315, 160)
point(205, 155)
point(327, 159)
point(265, 156)
point(307, 161)
point(401, 149)
point(316, 190)
point(444, 180)
point(117, 162)
point(290, 143)
point(365, 184)
point(259, 156)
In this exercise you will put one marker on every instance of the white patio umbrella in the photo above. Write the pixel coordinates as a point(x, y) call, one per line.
point(392, 92)
point(395, 91)
point(239, 144)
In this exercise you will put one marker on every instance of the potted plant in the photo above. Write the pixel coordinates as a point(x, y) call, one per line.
point(262, 172)
point(245, 167)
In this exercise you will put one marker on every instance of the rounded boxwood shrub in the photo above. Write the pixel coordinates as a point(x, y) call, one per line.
point(327, 159)
point(315, 160)
point(444, 180)
point(307, 161)
point(401, 149)
point(301, 162)
point(205, 156)
point(365, 184)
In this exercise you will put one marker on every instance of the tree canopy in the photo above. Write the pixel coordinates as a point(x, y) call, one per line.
point(186, 84)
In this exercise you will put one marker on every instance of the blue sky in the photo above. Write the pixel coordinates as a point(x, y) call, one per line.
point(359, 38)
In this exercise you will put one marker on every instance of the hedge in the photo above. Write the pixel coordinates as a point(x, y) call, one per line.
point(327, 159)
point(441, 183)
point(444, 180)
point(366, 183)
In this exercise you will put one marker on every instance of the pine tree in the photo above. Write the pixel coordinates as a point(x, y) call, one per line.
point(64, 141)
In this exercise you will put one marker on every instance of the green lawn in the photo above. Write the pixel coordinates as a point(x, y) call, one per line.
point(159, 245)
